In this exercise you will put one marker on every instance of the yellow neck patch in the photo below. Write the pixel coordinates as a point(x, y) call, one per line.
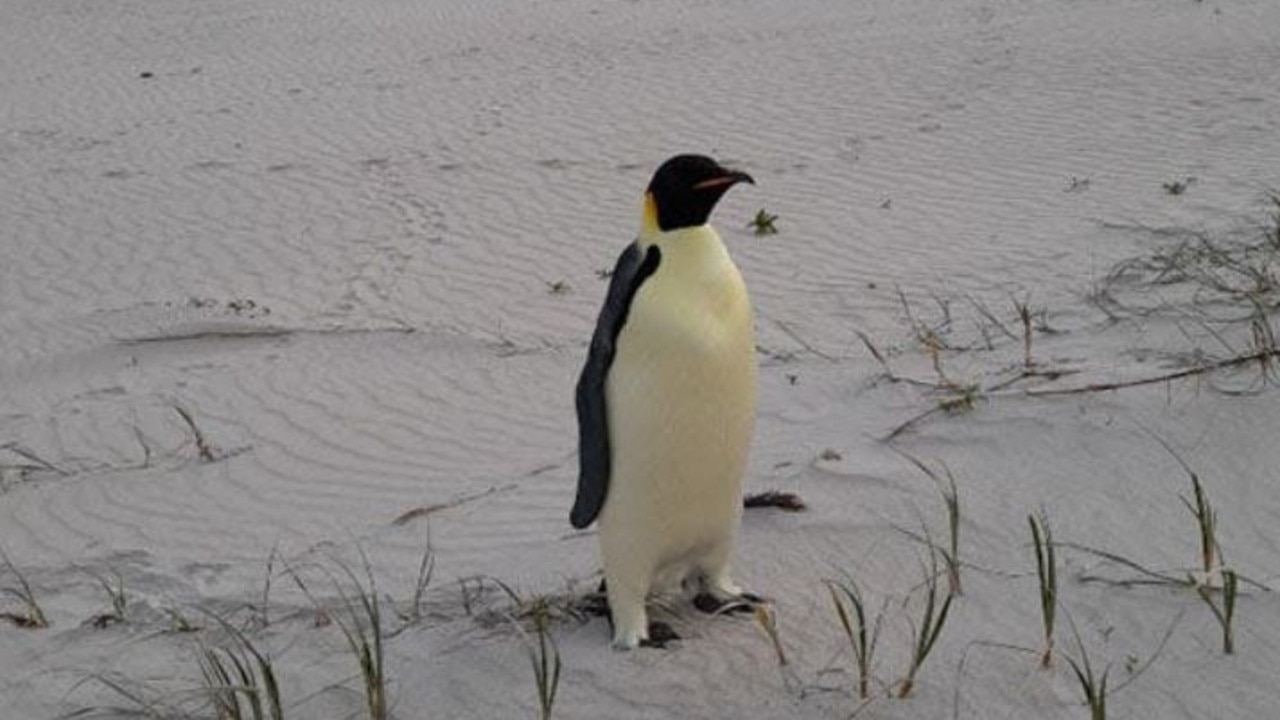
point(649, 217)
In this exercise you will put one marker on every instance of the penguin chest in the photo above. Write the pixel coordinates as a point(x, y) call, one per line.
point(681, 396)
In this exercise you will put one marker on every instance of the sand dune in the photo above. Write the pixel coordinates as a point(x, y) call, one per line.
point(358, 245)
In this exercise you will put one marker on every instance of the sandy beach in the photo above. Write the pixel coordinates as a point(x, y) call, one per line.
point(291, 289)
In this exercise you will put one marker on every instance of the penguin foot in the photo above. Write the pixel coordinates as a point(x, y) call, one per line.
point(660, 634)
point(596, 604)
point(741, 603)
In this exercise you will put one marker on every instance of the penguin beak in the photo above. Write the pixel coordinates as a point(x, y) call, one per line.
point(724, 182)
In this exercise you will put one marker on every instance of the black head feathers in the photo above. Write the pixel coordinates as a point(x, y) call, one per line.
point(686, 188)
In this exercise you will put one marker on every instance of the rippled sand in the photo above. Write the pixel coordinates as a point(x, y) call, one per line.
point(359, 244)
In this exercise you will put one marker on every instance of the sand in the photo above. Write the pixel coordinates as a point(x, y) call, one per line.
point(358, 245)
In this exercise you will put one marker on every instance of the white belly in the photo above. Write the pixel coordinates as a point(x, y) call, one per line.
point(681, 396)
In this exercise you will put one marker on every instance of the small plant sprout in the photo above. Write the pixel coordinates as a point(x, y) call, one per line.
point(763, 223)
point(1047, 574)
point(32, 616)
point(925, 635)
point(544, 656)
point(861, 641)
point(1226, 613)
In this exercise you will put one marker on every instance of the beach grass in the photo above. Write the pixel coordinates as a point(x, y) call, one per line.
point(1225, 612)
point(1047, 576)
point(32, 615)
point(862, 639)
point(1093, 686)
point(360, 621)
point(933, 617)
point(544, 656)
point(262, 614)
point(240, 681)
point(426, 569)
point(1025, 316)
point(767, 619)
point(179, 622)
point(143, 701)
point(1206, 526)
point(945, 482)
point(113, 587)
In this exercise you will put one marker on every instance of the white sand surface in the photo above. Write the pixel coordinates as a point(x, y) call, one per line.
point(358, 243)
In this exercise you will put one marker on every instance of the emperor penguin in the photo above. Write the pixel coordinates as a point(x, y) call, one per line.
point(666, 405)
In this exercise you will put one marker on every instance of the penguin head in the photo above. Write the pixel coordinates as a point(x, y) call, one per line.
point(686, 188)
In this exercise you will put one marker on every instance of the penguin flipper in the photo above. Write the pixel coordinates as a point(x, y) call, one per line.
point(634, 266)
